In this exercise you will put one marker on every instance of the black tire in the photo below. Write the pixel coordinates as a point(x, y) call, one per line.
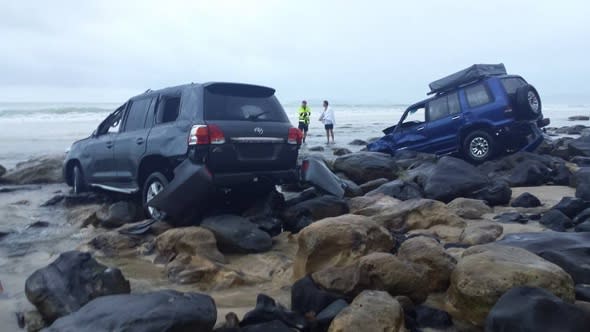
point(479, 146)
point(528, 103)
point(78, 182)
point(149, 190)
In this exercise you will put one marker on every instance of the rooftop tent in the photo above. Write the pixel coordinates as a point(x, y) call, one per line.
point(467, 75)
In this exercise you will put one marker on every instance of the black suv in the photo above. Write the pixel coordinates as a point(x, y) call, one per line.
point(177, 145)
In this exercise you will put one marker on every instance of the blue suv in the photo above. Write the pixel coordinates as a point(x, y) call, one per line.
point(480, 112)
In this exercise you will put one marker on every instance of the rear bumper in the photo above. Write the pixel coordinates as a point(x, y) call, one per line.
point(193, 185)
point(244, 178)
point(522, 135)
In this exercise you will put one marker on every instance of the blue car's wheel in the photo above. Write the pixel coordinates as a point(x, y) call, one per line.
point(478, 146)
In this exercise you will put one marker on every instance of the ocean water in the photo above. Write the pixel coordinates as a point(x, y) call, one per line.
point(33, 129)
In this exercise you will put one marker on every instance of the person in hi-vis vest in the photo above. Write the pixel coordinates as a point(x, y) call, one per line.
point(304, 116)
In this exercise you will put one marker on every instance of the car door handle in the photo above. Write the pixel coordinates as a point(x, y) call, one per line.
point(139, 141)
point(109, 144)
point(419, 128)
point(456, 117)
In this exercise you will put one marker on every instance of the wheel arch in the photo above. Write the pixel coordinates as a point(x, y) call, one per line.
point(153, 163)
point(69, 170)
point(473, 127)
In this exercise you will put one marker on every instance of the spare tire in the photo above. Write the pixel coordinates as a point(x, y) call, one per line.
point(528, 103)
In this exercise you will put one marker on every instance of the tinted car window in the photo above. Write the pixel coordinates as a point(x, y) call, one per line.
point(453, 101)
point(237, 104)
point(477, 95)
point(438, 109)
point(512, 83)
point(137, 114)
point(168, 109)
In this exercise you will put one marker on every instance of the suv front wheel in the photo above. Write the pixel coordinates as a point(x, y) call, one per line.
point(479, 146)
point(154, 184)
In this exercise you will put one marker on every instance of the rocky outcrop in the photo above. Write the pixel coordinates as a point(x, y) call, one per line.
point(46, 169)
point(571, 206)
point(469, 208)
point(338, 241)
point(527, 169)
point(474, 290)
point(535, 309)
point(157, 311)
point(71, 281)
point(370, 311)
point(366, 166)
point(235, 234)
point(567, 250)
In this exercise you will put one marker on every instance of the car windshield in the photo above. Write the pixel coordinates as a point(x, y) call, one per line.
point(112, 123)
point(414, 116)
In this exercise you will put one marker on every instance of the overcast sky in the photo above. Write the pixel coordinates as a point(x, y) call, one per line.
point(357, 51)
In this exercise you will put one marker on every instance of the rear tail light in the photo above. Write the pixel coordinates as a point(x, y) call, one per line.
point(205, 134)
point(295, 136)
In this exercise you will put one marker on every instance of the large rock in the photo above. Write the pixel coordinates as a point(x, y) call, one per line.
point(497, 193)
point(370, 311)
point(267, 311)
point(475, 289)
point(571, 206)
point(449, 178)
point(583, 189)
point(582, 216)
point(580, 146)
point(556, 220)
point(307, 297)
point(567, 250)
point(373, 184)
point(191, 241)
point(118, 214)
point(402, 190)
point(338, 241)
point(526, 200)
point(409, 215)
point(469, 208)
point(526, 169)
point(71, 281)
point(481, 233)
point(113, 243)
point(46, 169)
point(535, 309)
point(316, 208)
point(362, 167)
point(237, 234)
point(159, 311)
point(429, 253)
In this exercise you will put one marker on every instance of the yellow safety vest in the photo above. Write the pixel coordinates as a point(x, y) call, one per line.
point(304, 114)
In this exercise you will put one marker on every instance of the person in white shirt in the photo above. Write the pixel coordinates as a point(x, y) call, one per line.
point(327, 118)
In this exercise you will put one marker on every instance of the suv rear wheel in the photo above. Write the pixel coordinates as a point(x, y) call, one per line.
point(479, 146)
point(154, 184)
point(528, 103)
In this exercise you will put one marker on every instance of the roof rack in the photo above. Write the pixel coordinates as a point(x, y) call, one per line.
point(466, 76)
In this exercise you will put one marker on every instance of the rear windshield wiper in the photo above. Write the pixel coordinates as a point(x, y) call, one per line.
point(256, 116)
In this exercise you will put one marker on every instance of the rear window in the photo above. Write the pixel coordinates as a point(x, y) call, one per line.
point(242, 103)
point(477, 95)
point(511, 84)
